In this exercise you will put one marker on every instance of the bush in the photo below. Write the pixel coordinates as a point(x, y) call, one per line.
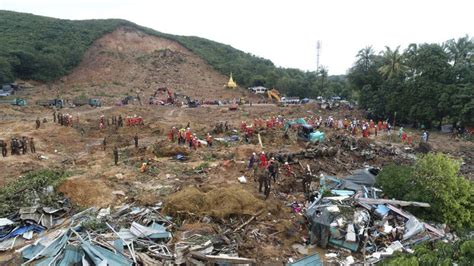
point(434, 179)
point(394, 180)
point(438, 253)
point(25, 191)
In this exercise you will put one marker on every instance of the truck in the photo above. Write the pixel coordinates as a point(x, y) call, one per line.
point(58, 103)
point(15, 101)
point(91, 102)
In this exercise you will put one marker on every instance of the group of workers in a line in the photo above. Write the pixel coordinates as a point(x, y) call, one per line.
point(187, 137)
point(18, 146)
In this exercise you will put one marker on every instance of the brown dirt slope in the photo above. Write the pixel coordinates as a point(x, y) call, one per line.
point(127, 60)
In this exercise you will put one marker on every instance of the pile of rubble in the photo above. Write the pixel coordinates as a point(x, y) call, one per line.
point(348, 214)
point(125, 235)
point(345, 145)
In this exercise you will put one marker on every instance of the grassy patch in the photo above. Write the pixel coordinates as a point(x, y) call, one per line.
point(31, 188)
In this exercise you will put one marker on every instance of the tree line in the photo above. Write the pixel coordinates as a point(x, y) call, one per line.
point(45, 49)
point(426, 84)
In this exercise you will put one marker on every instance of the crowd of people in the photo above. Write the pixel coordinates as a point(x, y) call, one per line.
point(355, 127)
point(18, 146)
point(185, 136)
point(119, 121)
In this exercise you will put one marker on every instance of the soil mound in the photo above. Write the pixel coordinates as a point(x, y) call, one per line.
point(218, 202)
point(86, 192)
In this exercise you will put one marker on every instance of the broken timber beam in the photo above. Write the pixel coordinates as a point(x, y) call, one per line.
point(248, 221)
point(394, 202)
point(222, 259)
point(260, 140)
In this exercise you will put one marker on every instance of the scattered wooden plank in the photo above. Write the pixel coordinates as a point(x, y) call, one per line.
point(394, 202)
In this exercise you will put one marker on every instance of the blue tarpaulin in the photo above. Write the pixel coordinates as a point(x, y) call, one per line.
point(23, 229)
point(311, 260)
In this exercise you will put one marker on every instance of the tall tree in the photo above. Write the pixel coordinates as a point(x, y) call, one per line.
point(365, 58)
point(393, 64)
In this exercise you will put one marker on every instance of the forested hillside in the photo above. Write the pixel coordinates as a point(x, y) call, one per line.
point(44, 49)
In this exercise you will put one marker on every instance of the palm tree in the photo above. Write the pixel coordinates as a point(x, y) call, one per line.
point(365, 58)
point(393, 64)
point(461, 51)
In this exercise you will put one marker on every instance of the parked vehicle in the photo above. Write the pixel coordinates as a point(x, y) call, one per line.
point(16, 101)
point(58, 103)
point(284, 101)
point(91, 102)
point(258, 90)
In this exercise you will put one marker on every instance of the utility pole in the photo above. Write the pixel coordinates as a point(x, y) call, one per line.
point(318, 52)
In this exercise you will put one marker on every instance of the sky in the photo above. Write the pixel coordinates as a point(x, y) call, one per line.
point(286, 32)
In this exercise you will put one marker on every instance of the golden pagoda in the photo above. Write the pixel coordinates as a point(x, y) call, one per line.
point(231, 83)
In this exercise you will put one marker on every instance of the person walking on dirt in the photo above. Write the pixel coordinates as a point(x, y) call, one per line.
point(135, 139)
point(54, 116)
point(32, 145)
point(188, 136)
point(3, 145)
point(263, 160)
point(252, 160)
point(288, 170)
point(195, 142)
point(404, 137)
point(209, 140)
point(116, 155)
point(38, 123)
point(104, 143)
point(424, 137)
point(171, 134)
point(267, 183)
point(120, 121)
point(24, 145)
point(261, 180)
point(272, 170)
point(306, 182)
point(180, 133)
point(19, 146)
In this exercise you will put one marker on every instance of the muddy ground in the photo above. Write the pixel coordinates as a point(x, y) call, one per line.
point(95, 179)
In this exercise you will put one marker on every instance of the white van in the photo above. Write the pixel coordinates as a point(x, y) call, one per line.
point(258, 90)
